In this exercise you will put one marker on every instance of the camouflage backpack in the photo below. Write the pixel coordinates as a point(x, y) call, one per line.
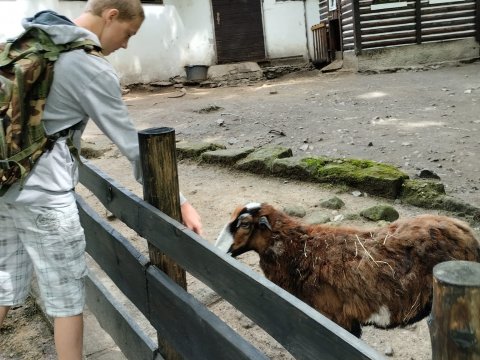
point(26, 74)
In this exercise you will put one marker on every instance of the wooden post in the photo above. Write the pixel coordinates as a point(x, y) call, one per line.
point(418, 21)
point(454, 322)
point(161, 189)
point(357, 29)
point(477, 22)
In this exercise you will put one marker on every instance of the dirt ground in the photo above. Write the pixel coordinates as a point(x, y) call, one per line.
point(415, 120)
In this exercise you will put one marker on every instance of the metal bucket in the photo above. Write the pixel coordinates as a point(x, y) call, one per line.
point(196, 72)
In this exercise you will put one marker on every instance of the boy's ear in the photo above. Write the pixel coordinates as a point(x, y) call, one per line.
point(110, 14)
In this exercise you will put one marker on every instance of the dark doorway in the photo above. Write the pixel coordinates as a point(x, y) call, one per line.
point(238, 30)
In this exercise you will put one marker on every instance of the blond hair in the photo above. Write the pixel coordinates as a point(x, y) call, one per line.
point(127, 9)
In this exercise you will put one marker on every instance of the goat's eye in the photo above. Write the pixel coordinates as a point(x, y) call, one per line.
point(243, 224)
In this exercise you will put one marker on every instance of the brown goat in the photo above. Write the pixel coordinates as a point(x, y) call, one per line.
point(380, 276)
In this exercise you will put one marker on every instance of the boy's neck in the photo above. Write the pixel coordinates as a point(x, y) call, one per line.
point(90, 22)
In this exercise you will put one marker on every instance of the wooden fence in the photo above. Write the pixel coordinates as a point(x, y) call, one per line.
point(185, 323)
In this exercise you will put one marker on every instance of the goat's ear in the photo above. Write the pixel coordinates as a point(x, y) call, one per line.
point(263, 222)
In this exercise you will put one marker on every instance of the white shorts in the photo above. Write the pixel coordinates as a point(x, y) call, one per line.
point(51, 241)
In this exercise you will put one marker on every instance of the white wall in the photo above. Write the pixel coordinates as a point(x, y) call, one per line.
point(179, 33)
point(175, 34)
point(12, 12)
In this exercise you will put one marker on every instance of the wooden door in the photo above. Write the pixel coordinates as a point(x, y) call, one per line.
point(238, 30)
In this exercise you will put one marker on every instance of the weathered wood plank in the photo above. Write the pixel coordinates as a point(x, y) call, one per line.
point(392, 42)
point(407, 35)
point(402, 13)
point(113, 317)
point(110, 193)
point(467, 16)
point(190, 327)
point(449, 30)
point(441, 37)
point(116, 256)
point(301, 330)
point(448, 8)
point(407, 28)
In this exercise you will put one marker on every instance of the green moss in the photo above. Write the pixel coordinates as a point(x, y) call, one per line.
point(423, 193)
point(354, 169)
point(316, 162)
point(367, 175)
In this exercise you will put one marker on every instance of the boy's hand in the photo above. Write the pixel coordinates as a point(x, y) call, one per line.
point(191, 218)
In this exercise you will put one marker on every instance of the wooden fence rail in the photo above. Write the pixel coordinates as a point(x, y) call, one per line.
point(188, 325)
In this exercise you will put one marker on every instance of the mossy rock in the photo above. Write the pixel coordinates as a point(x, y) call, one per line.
point(352, 217)
point(334, 203)
point(317, 217)
point(186, 150)
point(430, 194)
point(422, 193)
point(380, 212)
point(262, 159)
point(225, 156)
point(369, 176)
point(292, 168)
point(295, 210)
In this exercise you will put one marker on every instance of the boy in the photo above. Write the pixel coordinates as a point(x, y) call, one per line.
point(40, 224)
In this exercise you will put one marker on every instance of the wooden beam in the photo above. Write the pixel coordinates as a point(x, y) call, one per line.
point(125, 265)
point(114, 318)
point(190, 326)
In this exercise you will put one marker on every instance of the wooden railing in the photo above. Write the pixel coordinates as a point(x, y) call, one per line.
point(177, 316)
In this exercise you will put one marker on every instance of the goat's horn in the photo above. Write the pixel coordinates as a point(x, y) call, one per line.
point(264, 221)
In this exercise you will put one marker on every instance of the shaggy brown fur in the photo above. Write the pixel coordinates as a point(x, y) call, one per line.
point(350, 274)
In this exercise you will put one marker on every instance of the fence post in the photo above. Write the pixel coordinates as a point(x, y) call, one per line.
point(454, 321)
point(161, 189)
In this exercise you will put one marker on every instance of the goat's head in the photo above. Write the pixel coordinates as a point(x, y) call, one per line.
point(248, 229)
